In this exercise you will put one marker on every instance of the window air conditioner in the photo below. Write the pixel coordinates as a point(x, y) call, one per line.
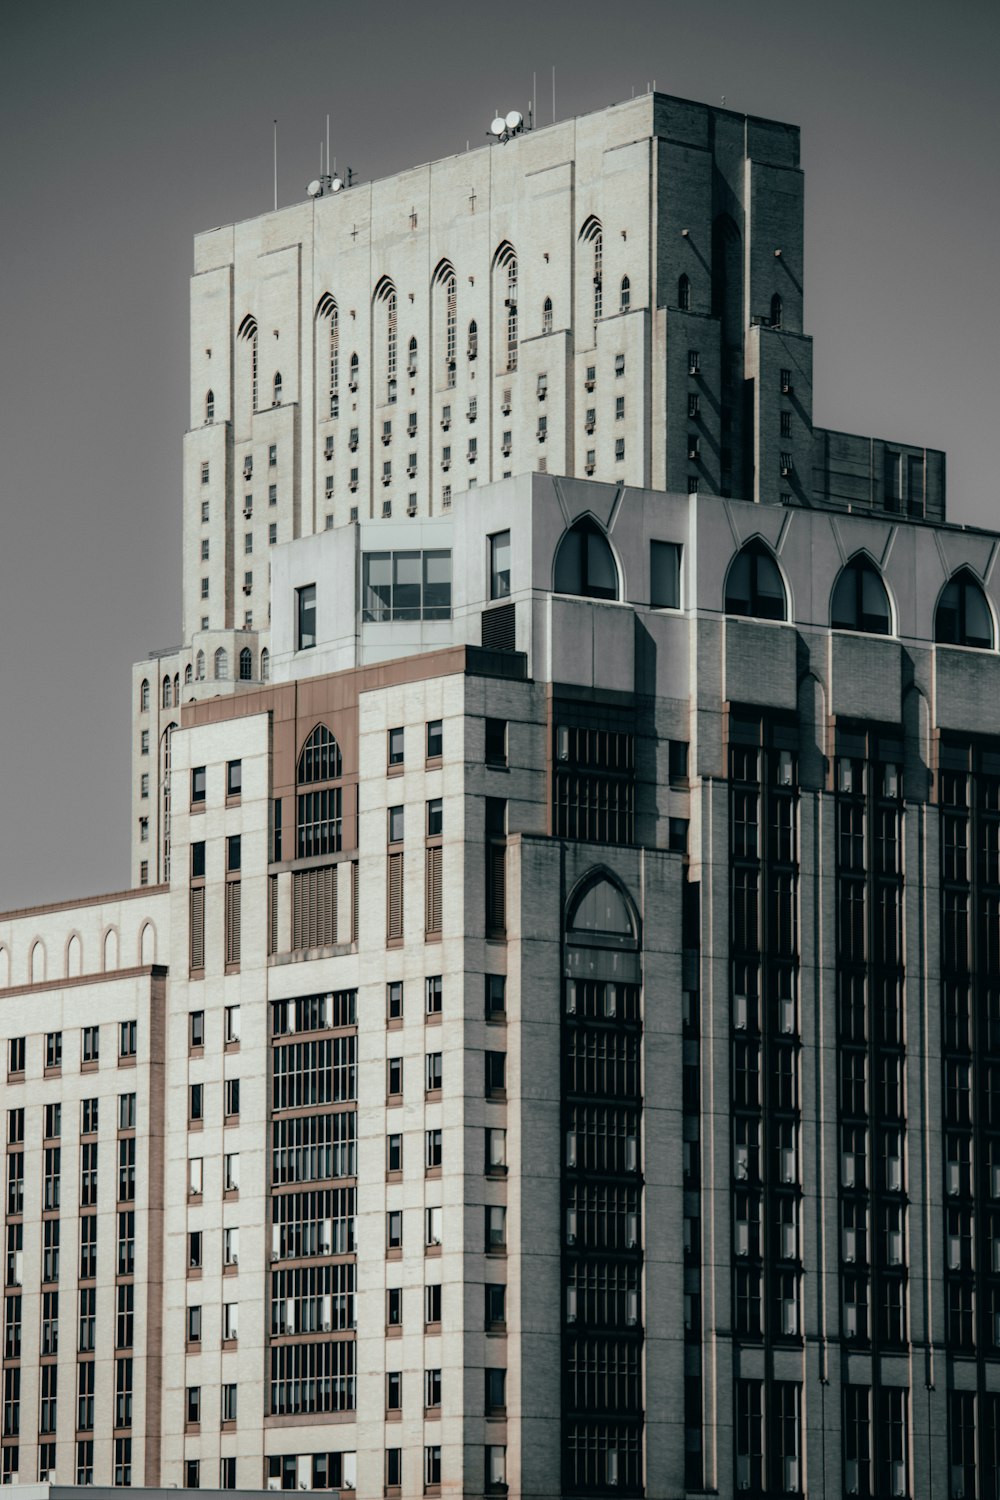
point(352, 385)
point(235, 1261)
point(411, 473)
point(693, 369)
point(588, 385)
point(411, 369)
point(353, 486)
point(386, 482)
point(247, 589)
point(386, 439)
point(589, 427)
point(275, 1255)
point(505, 408)
point(472, 458)
point(543, 393)
point(589, 469)
point(693, 453)
point(327, 1327)
point(542, 436)
point(786, 388)
point(411, 510)
point(446, 464)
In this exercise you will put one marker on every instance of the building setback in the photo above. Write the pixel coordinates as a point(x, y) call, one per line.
point(552, 1045)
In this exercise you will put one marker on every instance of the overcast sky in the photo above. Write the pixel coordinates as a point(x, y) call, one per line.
point(128, 125)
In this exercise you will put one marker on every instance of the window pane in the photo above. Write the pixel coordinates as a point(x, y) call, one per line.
point(437, 585)
point(406, 586)
point(377, 585)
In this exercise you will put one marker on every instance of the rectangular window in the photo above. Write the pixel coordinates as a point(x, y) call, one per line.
point(435, 818)
point(433, 995)
point(232, 1094)
point(619, 364)
point(435, 739)
point(496, 997)
point(90, 1044)
point(394, 1000)
point(433, 1072)
point(53, 1049)
point(305, 603)
point(665, 575)
point(234, 778)
point(396, 746)
point(500, 565)
point(394, 1229)
point(619, 449)
point(127, 1038)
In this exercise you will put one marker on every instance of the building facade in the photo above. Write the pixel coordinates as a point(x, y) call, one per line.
point(550, 1045)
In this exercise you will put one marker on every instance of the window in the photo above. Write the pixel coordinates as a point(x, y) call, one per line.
point(393, 1153)
point(305, 609)
point(204, 549)
point(53, 1050)
point(127, 1038)
point(435, 818)
point(394, 1000)
point(433, 995)
point(196, 1101)
point(234, 852)
point(585, 564)
point(495, 1309)
point(495, 996)
point(394, 1226)
point(496, 742)
point(88, 1116)
point(407, 585)
point(496, 1074)
point(232, 1025)
point(665, 575)
point(775, 311)
point(396, 746)
point(232, 1095)
point(126, 1112)
point(394, 1395)
point(860, 601)
point(754, 586)
point(221, 664)
point(197, 784)
point(144, 696)
point(90, 1044)
point(395, 825)
point(963, 616)
point(433, 1227)
point(433, 1072)
point(496, 1228)
point(204, 588)
point(229, 1402)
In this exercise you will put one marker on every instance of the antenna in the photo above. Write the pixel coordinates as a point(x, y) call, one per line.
point(534, 95)
point(553, 94)
point(276, 166)
point(328, 144)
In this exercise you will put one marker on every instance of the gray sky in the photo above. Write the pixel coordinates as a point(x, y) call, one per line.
point(128, 125)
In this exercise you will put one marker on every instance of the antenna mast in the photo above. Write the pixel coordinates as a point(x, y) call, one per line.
point(276, 166)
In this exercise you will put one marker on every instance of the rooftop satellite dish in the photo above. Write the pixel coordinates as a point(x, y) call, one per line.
point(315, 188)
point(336, 185)
point(514, 120)
point(499, 125)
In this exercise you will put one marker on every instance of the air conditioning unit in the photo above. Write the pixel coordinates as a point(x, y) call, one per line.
point(353, 486)
point(472, 415)
point(411, 473)
point(542, 436)
point(247, 467)
point(386, 439)
point(327, 1327)
point(445, 424)
point(386, 481)
point(542, 393)
point(589, 427)
point(274, 1484)
point(353, 447)
point(472, 351)
point(247, 589)
point(411, 510)
point(411, 432)
point(247, 513)
point(693, 454)
point(589, 469)
point(693, 369)
point(352, 385)
point(446, 464)
point(505, 452)
point(505, 408)
point(411, 369)
point(510, 302)
point(472, 458)
point(588, 385)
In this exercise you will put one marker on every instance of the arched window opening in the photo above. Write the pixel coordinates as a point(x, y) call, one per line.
point(775, 311)
point(248, 332)
point(276, 396)
point(265, 665)
point(200, 667)
point(144, 696)
point(511, 301)
point(319, 810)
point(210, 407)
point(963, 616)
point(473, 339)
point(754, 585)
point(585, 564)
point(451, 325)
point(505, 266)
point(625, 295)
point(221, 664)
point(166, 815)
point(177, 689)
point(353, 383)
point(684, 293)
point(547, 315)
point(166, 696)
point(246, 664)
point(188, 674)
point(598, 277)
point(327, 308)
point(600, 908)
point(860, 601)
point(385, 295)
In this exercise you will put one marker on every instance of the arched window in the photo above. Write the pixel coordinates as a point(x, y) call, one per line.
point(177, 689)
point(860, 601)
point(505, 274)
point(592, 233)
point(775, 311)
point(246, 664)
point(547, 315)
point(144, 696)
point(200, 667)
point(166, 698)
point(210, 407)
point(963, 616)
point(585, 564)
point(684, 293)
point(473, 339)
point(600, 909)
point(625, 295)
point(265, 665)
point(354, 372)
point(276, 395)
point(319, 810)
point(327, 308)
point(754, 585)
point(188, 674)
point(248, 332)
point(221, 664)
point(444, 334)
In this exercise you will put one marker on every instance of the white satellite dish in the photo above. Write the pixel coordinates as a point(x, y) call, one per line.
point(499, 125)
point(315, 188)
point(514, 120)
point(336, 185)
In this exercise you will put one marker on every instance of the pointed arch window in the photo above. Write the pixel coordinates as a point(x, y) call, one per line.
point(248, 333)
point(276, 389)
point(320, 808)
point(246, 664)
point(166, 698)
point(585, 563)
point(684, 293)
point(210, 407)
point(547, 315)
point(327, 308)
point(511, 301)
point(963, 616)
point(625, 295)
point(775, 311)
point(188, 674)
point(354, 372)
point(144, 696)
point(598, 277)
point(411, 361)
point(860, 601)
point(177, 689)
point(451, 321)
point(390, 346)
point(473, 339)
point(601, 909)
point(754, 586)
point(221, 664)
point(265, 665)
point(200, 667)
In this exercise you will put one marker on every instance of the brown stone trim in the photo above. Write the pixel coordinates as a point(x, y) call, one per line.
point(37, 911)
point(152, 971)
point(309, 1418)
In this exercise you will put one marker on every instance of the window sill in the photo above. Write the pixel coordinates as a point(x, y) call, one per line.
point(85, 1067)
point(432, 1252)
point(394, 942)
point(196, 1198)
point(196, 973)
point(395, 1024)
point(393, 1331)
point(52, 1072)
point(15, 1077)
point(433, 1096)
point(497, 1171)
point(236, 798)
point(434, 1018)
point(395, 770)
point(394, 1176)
point(230, 1270)
point(432, 1330)
point(231, 1195)
point(192, 1347)
point(392, 1491)
point(191, 1427)
point(432, 1413)
point(497, 1328)
point(496, 1414)
point(432, 1171)
point(128, 1062)
point(194, 1273)
point(393, 1101)
point(197, 1051)
point(432, 937)
point(197, 807)
point(394, 1252)
point(230, 1121)
point(496, 1096)
point(394, 1415)
point(196, 1124)
point(228, 1427)
point(496, 1252)
point(433, 762)
point(231, 969)
point(233, 1046)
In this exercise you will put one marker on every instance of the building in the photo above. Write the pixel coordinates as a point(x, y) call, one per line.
point(559, 1056)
